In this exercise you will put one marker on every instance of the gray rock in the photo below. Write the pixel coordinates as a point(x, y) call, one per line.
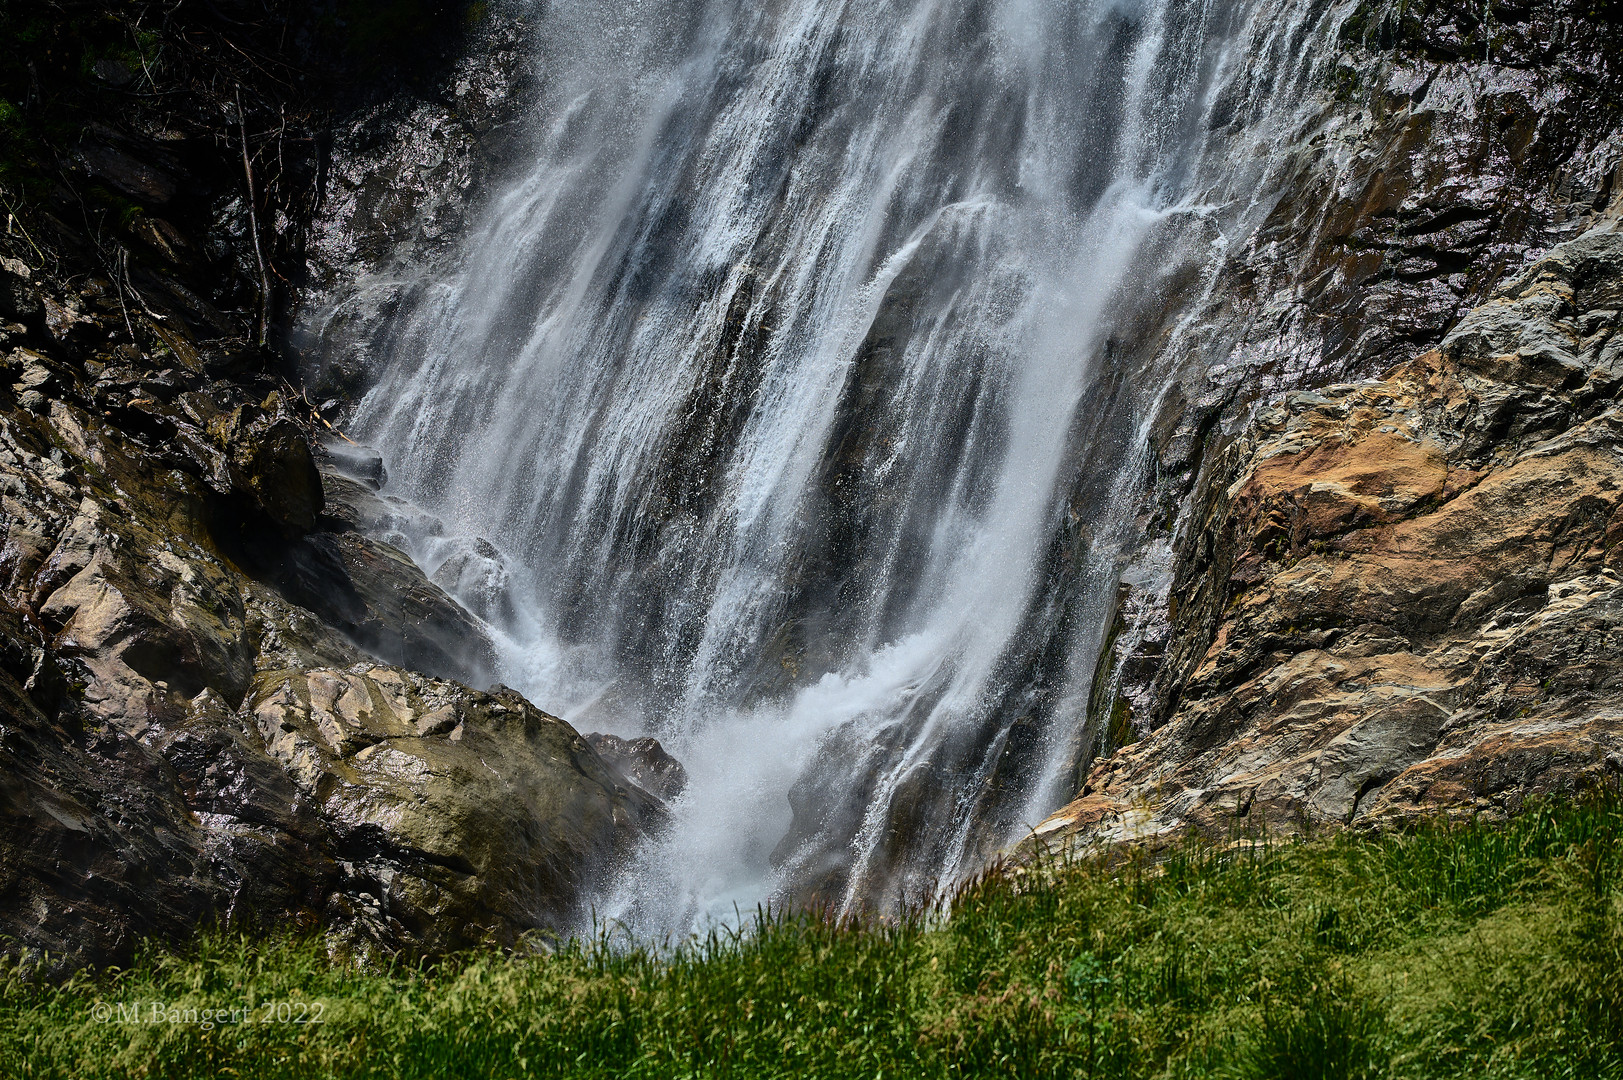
point(19, 299)
point(357, 462)
point(643, 762)
point(1406, 596)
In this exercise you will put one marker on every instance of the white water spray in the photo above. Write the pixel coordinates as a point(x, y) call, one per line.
point(776, 396)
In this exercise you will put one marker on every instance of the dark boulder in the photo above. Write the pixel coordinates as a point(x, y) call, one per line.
point(642, 761)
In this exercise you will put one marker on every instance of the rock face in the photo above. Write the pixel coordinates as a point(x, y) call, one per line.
point(1407, 598)
point(1455, 143)
point(220, 702)
point(404, 178)
point(1455, 146)
point(222, 699)
point(192, 728)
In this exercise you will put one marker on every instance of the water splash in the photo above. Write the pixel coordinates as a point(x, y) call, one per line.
point(778, 408)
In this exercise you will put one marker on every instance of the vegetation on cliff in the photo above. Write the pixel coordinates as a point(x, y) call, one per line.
point(1447, 951)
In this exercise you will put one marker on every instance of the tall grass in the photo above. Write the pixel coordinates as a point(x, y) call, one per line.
point(1452, 950)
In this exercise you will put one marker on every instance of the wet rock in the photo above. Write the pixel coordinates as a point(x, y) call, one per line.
point(1416, 182)
point(475, 572)
point(68, 323)
point(403, 173)
point(374, 593)
point(99, 846)
point(94, 853)
point(642, 761)
point(383, 602)
point(356, 504)
point(404, 177)
point(815, 853)
point(357, 462)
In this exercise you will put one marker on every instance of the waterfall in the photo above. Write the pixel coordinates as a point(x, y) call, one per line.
point(782, 405)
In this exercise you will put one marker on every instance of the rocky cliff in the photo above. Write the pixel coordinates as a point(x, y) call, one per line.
point(1393, 596)
point(220, 702)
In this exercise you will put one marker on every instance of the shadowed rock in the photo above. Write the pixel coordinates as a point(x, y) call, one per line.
point(644, 762)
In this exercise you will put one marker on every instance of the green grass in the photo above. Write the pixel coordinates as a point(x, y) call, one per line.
point(1449, 951)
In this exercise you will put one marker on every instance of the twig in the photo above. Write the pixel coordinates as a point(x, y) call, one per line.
point(315, 412)
point(253, 226)
point(256, 64)
point(13, 216)
point(129, 283)
point(135, 35)
point(122, 280)
point(281, 165)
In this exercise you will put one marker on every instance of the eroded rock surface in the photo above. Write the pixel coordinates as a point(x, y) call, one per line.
point(1407, 598)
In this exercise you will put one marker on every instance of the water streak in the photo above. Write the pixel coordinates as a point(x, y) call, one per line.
point(784, 389)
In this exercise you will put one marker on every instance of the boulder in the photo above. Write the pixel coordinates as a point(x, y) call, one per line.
point(456, 815)
point(643, 762)
point(272, 463)
point(360, 463)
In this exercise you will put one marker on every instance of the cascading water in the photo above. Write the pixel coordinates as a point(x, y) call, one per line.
point(777, 408)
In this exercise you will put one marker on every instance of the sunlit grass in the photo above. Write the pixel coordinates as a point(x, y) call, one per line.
point(1449, 951)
